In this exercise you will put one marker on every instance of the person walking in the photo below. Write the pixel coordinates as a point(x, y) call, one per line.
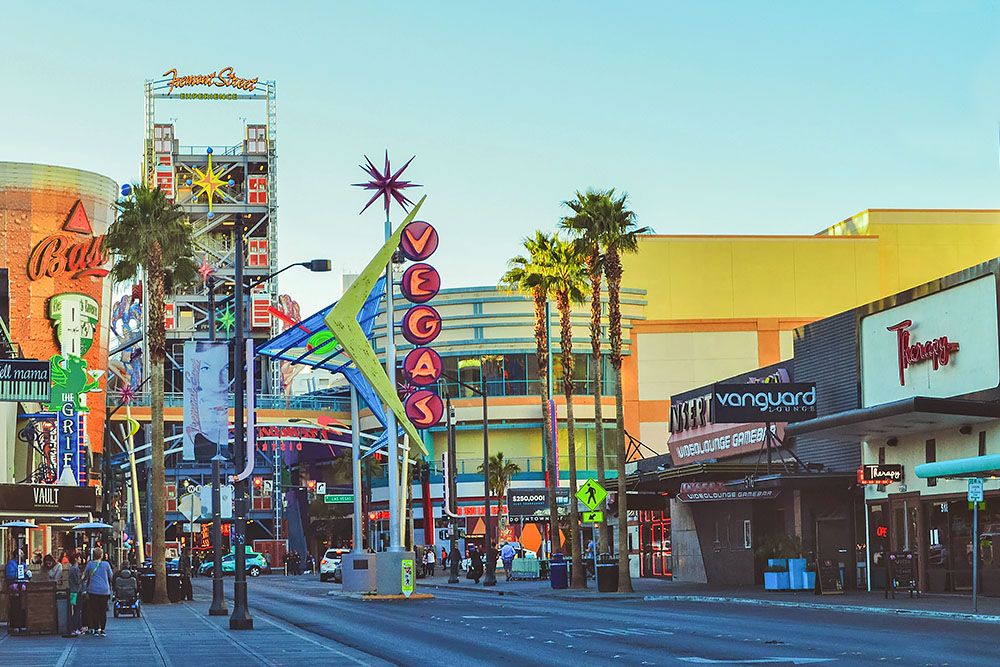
point(507, 553)
point(475, 565)
point(97, 583)
point(17, 576)
point(444, 558)
point(431, 560)
point(184, 569)
point(75, 596)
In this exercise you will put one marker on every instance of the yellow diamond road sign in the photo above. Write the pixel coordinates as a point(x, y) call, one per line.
point(591, 494)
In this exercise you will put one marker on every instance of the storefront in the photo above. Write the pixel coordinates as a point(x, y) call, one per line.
point(929, 366)
point(56, 509)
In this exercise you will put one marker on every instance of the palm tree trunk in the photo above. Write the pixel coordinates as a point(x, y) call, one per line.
point(541, 354)
point(157, 355)
point(593, 267)
point(566, 344)
point(613, 270)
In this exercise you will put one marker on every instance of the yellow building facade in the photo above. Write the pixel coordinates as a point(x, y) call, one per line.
point(717, 306)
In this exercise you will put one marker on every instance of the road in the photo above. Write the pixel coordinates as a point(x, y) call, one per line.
point(467, 627)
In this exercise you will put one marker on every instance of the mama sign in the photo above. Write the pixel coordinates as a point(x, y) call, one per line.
point(765, 402)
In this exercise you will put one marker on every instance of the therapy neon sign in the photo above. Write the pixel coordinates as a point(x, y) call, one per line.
point(938, 351)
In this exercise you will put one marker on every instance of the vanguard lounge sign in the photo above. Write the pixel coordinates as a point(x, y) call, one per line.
point(765, 402)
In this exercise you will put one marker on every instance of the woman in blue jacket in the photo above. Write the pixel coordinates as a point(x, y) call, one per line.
point(97, 582)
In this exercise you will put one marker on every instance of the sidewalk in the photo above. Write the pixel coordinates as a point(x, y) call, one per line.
point(179, 634)
point(661, 590)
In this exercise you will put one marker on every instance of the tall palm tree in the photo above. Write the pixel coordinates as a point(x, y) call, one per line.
point(502, 471)
point(587, 223)
point(530, 275)
point(153, 236)
point(621, 236)
point(569, 278)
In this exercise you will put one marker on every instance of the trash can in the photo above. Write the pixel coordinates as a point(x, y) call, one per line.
point(559, 572)
point(147, 585)
point(174, 587)
point(607, 574)
point(62, 612)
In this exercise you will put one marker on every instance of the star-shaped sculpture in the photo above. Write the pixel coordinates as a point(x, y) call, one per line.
point(386, 184)
point(126, 394)
point(226, 319)
point(206, 270)
point(209, 181)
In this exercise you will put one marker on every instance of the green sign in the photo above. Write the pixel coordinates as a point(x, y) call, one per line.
point(409, 577)
point(332, 498)
point(591, 494)
point(592, 517)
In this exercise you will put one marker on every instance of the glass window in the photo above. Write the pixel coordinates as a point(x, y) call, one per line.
point(515, 376)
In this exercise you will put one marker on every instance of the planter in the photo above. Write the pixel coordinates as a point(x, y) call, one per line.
point(771, 580)
point(808, 581)
point(778, 562)
point(796, 568)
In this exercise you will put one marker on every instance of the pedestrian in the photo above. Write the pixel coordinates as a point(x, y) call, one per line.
point(507, 553)
point(285, 558)
point(475, 565)
point(75, 596)
point(431, 561)
point(444, 557)
point(184, 569)
point(17, 576)
point(51, 570)
point(97, 583)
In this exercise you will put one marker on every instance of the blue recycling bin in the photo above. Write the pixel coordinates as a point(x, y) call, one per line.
point(559, 572)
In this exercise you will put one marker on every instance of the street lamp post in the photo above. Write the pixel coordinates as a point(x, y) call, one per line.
point(453, 555)
point(489, 578)
point(218, 607)
point(241, 619)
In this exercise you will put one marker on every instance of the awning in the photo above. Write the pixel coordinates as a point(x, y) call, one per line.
point(911, 415)
point(974, 466)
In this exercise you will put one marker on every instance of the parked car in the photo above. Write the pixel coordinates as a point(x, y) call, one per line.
point(256, 565)
point(338, 572)
point(330, 562)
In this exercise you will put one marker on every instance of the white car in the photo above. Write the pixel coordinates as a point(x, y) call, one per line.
point(329, 562)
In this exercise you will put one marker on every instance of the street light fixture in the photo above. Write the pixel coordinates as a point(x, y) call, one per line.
point(241, 619)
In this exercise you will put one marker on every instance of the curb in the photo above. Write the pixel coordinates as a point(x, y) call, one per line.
point(373, 597)
point(478, 589)
point(853, 609)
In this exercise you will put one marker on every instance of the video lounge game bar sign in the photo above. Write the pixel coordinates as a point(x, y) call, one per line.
point(766, 402)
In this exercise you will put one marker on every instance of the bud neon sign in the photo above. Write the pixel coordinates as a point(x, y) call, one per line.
point(938, 351)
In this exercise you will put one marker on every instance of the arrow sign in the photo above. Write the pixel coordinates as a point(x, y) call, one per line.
point(591, 494)
point(592, 517)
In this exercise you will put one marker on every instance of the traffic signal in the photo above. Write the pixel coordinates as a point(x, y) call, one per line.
point(311, 486)
point(258, 482)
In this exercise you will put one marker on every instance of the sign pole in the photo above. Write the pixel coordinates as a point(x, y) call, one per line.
point(975, 557)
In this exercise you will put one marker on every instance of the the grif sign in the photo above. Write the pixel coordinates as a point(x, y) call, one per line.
point(763, 402)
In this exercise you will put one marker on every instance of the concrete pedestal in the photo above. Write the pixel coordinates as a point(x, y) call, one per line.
point(390, 571)
point(359, 573)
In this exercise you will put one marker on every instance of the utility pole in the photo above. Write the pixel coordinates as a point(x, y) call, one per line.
point(453, 555)
point(218, 607)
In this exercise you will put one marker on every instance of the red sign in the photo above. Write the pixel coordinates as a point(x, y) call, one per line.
point(421, 282)
point(422, 366)
point(937, 351)
point(380, 515)
point(59, 254)
point(424, 408)
point(421, 324)
point(882, 531)
point(419, 241)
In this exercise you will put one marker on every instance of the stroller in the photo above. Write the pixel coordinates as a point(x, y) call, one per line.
point(126, 594)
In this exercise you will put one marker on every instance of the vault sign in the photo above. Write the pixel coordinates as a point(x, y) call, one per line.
point(591, 494)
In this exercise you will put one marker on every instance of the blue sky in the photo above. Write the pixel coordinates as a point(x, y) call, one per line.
point(716, 117)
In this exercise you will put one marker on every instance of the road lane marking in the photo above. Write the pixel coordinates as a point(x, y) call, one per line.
point(755, 661)
point(507, 616)
point(614, 632)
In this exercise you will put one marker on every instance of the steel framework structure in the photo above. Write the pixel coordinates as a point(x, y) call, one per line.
point(249, 196)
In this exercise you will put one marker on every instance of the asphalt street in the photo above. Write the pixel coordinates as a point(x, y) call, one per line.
point(467, 627)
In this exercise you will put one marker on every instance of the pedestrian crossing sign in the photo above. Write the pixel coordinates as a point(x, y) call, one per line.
point(591, 494)
point(592, 517)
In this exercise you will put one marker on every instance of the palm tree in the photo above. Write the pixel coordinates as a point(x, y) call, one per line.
point(621, 236)
point(569, 277)
point(153, 236)
point(589, 219)
point(502, 471)
point(530, 275)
